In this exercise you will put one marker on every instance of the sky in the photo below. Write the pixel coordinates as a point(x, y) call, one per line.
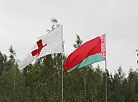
point(23, 21)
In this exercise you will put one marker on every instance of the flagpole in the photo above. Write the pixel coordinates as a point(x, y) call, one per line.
point(62, 68)
point(105, 71)
point(62, 80)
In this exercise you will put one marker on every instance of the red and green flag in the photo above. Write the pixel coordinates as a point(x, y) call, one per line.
point(88, 53)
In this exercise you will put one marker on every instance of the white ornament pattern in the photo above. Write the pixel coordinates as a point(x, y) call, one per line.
point(103, 50)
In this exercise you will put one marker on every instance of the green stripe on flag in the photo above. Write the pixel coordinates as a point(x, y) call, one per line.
point(89, 60)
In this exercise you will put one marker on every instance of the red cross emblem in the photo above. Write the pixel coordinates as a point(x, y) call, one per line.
point(40, 46)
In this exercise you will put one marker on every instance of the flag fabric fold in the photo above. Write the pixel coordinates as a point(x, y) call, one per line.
point(49, 43)
point(90, 52)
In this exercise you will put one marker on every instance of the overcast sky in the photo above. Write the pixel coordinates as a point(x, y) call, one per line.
point(23, 21)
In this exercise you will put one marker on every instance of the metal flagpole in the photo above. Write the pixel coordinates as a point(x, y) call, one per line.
point(62, 80)
point(14, 81)
point(105, 71)
point(62, 69)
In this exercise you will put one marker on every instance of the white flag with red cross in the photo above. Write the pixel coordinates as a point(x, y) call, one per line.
point(49, 43)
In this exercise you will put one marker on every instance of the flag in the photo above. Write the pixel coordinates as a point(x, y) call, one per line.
point(90, 52)
point(49, 43)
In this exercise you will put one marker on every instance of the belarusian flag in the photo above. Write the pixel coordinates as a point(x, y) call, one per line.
point(90, 52)
point(47, 44)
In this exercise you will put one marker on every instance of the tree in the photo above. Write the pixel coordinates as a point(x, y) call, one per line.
point(3, 61)
point(11, 92)
point(78, 42)
point(12, 86)
point(134, 98)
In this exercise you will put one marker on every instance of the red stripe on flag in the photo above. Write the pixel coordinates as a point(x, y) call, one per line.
point(89, 48)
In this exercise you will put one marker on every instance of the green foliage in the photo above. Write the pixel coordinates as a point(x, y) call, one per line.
point(78, 42)
point(134, 98)
point(3, 61)
point(12, 87)
point(41, 81)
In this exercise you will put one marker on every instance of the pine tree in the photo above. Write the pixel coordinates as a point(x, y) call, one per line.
point(3, 61)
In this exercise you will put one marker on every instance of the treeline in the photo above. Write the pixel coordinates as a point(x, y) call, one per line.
point(42, 82)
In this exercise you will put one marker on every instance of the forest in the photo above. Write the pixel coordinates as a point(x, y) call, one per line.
point(42, 81)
